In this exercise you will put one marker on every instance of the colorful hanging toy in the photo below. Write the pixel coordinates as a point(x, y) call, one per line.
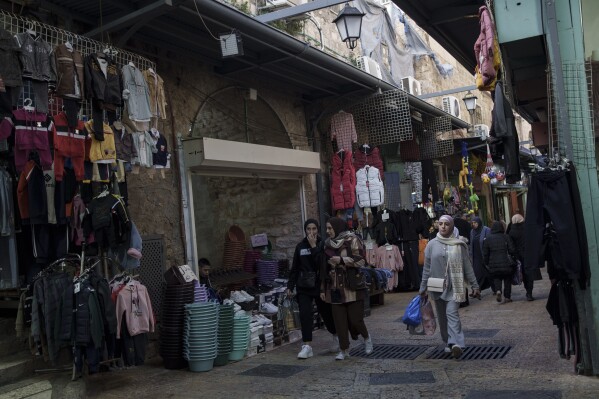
point(486, 176)
point(473, 198)
point(464, 172)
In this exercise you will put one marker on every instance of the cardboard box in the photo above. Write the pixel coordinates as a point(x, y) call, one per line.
point(252, 351)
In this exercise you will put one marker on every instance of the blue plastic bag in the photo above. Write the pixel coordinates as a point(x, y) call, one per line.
point(412, 315)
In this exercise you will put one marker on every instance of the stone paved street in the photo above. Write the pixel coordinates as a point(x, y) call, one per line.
point(531, 365)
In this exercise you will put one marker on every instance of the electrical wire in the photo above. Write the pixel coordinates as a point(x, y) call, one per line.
point(202, 19)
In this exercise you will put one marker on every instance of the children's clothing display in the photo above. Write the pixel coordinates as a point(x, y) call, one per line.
point(388, 257)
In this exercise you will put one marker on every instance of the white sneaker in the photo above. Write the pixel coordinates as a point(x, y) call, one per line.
point(342, 355)
point(265, 321)
point(447, 349)
point(368, 346)
point(269, 308)
point(335, 346)
point(306, 352)
point(247, 296)
point(237, 297)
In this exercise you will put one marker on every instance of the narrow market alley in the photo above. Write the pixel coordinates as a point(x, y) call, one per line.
point(531, 367)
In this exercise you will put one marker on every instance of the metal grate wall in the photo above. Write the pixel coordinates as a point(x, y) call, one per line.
point(152, 268)
point(577, 80)
point(55, 36)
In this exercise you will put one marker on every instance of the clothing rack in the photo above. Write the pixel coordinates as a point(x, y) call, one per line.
point(56, 36)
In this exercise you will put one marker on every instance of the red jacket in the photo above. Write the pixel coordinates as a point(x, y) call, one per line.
point(368, 156)
point(343, 181)
point(68, 143)
point(483, 48)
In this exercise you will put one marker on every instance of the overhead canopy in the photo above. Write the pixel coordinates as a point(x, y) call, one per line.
point(455, 25)
point(161, 29)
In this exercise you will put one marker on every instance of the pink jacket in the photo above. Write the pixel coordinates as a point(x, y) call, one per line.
point(134, 301)
point(483, 48)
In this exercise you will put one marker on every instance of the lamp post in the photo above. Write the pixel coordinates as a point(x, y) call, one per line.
point(470, 101)
point(349, 24)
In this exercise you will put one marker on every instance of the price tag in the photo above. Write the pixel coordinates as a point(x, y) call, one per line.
point(369, 244)
point(389, 247)
point(77, 287)
point(385, 216)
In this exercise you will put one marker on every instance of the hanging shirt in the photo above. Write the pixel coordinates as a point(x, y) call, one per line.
point(343, 130)
point(388, 257)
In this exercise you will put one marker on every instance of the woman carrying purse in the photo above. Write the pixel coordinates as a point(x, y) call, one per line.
point(303, 277)
point(342, 284)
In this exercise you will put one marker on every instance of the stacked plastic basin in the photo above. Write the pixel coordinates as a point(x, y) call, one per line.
point(241, 335)
point(225, 335)
point(200, 335)
point(172, 319)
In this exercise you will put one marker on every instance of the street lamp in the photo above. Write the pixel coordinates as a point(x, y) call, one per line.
point(349, 24)
point(470, 101)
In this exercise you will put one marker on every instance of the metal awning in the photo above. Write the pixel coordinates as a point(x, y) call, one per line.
point(173, 30)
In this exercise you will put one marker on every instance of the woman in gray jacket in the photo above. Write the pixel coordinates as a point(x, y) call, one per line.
point(447, 257)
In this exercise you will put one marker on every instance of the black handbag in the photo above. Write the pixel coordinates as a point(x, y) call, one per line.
point(306, 280)
point(355, 279)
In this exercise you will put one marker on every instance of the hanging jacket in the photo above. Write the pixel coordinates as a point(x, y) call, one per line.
point(504, 127)
point(136, 94)
point(370, 191)
point(104, 299)
point(125, 148)
point(101, 151)
point(134, 304)
point(366, 155)
point(10, 67)
point(68, 143)
point(36, 58)
point(104, 87)
point(31, 134)
point(343, 181)
point(156, 91)
point(483, 47)
point(69, 73)
point(160, 157)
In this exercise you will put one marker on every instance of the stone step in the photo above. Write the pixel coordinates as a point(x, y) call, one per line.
point(31, 389)
point(15, 367)
point(11, 345)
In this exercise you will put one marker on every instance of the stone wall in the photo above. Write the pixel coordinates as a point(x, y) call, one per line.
point(155, 203)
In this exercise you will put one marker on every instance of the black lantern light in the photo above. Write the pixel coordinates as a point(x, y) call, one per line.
point(470, 101)
point(349, 24)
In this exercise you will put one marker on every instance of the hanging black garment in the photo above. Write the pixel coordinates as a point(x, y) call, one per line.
point(504, 127)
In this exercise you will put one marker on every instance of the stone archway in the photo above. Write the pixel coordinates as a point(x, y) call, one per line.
point(228, 114)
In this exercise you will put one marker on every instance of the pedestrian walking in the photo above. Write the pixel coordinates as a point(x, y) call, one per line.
point(304, 278)
point(340, 284)
point(446, 257)
point(498, 250)
point(529, 275)
point(478, 234)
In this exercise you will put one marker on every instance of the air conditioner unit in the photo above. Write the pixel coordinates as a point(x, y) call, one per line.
point(411, 85)
point(274, 4)
point(370, 66)
point(481, 131)
point(451, 105)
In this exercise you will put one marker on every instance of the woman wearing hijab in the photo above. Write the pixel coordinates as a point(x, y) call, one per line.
point(496, 249)
point(343, 251)
point(478, 234)
point(447, 257)
point(303, 277)
point(516, 233)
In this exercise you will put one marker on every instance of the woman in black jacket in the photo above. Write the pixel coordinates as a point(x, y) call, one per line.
point(303, 276)
point(496, 248)
point(529, 275)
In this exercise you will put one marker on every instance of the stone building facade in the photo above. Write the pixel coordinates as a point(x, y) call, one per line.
point(203, 104)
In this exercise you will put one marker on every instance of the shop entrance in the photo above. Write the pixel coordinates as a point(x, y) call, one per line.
point(256, 205)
